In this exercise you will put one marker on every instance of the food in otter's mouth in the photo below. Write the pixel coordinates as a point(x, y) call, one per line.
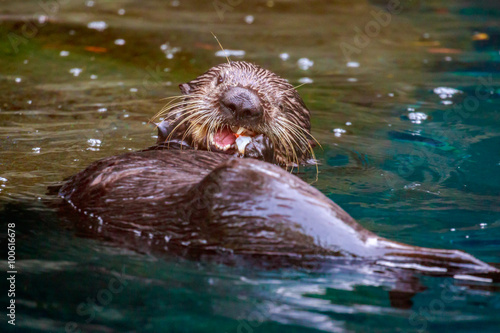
point(242, 142)
point(231, 138)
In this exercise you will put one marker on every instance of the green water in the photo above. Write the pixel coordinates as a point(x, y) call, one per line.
point(409, 125)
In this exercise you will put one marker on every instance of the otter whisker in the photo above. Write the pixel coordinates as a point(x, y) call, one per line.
point(290, 142)
point(205, 133)
point(168, 108)
point(172, 97)
point(213, 126)
point(185, 101)
point(288, 146)
point(284, 157)
point(225, 53)
point(302, 130)
point(177, 126)
point(297, 134)
point(185, 111)
point(192, 126)
point(209, 127)
point(183, 121)
point(179, 112)
point(300, 85)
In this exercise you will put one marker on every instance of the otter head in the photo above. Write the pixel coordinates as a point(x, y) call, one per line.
point(224, 108)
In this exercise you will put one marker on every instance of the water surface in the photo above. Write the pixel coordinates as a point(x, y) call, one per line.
point(409, 125)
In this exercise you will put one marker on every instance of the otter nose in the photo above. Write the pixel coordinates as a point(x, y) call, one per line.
point(243, 103)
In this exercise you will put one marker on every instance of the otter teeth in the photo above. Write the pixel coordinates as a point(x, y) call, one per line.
point(238, 130)
point(242, 131)
point(223, 148)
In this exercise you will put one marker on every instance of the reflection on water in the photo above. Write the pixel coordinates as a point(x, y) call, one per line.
point(404, 104)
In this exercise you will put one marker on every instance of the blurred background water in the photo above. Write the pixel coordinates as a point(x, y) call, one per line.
point(405, 103)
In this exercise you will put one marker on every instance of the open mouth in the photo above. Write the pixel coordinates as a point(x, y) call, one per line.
point(231, 139)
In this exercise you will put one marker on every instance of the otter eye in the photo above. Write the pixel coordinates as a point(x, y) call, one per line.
point(220, 79)
point(281, 106)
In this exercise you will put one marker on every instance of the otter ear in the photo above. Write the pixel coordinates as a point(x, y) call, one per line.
point(312, 143)
point(185, 88)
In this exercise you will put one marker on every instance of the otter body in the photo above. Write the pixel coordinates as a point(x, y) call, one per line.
point(191, 196)
point(194, 203)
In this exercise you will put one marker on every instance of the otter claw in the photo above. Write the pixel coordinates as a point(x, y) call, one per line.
point(164, 130)
point(260, 148)
point(166, 137)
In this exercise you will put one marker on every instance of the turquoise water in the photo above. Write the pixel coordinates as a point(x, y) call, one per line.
point(409, 125)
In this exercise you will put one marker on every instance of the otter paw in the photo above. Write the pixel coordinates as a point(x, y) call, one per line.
point(164, 130)
point(261, 148)
point(166, 136)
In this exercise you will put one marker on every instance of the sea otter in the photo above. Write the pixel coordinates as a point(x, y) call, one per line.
point(190, 196)
point(243, 109)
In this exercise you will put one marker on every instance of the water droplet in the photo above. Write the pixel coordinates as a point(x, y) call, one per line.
point(169, 50)
point(42, 19)
point(417, 117)
point(338, 131)
point(97, 25)
point(75, 71)
point(230, 53)
point(446, 92)
point(305, 63)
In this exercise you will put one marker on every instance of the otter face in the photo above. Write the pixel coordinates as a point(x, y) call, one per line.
point(224, 108)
